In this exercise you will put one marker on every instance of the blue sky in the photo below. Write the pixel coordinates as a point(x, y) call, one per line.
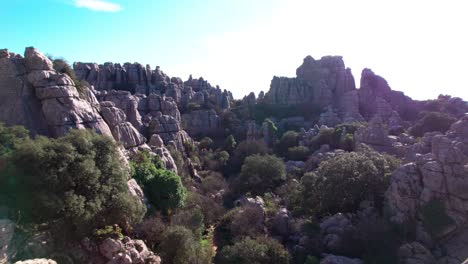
point(419, 46)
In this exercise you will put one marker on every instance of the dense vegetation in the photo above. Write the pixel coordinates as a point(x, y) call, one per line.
point(235, 199)
point(75, 181)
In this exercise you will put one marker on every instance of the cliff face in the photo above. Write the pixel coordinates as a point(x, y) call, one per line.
point(322, 83)
point(329, 85)
point(138, 79)
point(45, 101)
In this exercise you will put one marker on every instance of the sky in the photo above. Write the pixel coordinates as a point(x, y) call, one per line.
point(419, 46)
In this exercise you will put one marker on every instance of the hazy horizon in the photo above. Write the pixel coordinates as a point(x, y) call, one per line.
point(418, 47)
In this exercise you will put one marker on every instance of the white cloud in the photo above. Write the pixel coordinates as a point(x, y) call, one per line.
point(98, 5)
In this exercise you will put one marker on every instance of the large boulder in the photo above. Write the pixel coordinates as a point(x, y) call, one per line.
point(44, 100)
point(18, 102)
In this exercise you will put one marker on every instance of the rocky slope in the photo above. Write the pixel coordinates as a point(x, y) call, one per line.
point(145, 109)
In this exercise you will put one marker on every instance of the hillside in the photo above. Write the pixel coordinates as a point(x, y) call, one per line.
point(121, 163)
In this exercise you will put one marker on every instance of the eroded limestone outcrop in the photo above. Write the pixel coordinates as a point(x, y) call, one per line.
point(435, 184)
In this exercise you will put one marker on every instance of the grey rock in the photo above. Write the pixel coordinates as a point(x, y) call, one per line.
point(332, 259)
point(37, 261)
point(415, 253)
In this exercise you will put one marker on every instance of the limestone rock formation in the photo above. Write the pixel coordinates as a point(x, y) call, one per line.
point(126, 102)
point(43, 100)
point(122, 131)
point(138, 79)
point(125, 251)
point(435, 183)
point(201, 122)
point(376, 97)
point(157, 145)
point(375, 135)
point(319, 83)
point(168, 128)
point(332, 259)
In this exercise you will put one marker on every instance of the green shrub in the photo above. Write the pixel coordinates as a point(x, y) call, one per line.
point(355, 176)
point(259, 251)
point(10, 137)
point(191, 218)
point(163, 188)
point(213, 183)
point(178, 245)
point(260, 174)
point(243, 150)
point(114, 232)
point(62, 66)
point(342, 136)
point(298, 153)
point(435, 219)
point(312, 260)
point(206, 143)
point(77, 180)
point(230, 143)
point(288, 140)
point(432, 121)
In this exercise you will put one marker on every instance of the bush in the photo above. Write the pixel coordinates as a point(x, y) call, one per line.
point(114, 232)
point(191, 218)
point(340, 184)
point(10, 137)
point(435, 219)
point(260, 251)
point(206, 143)
point(213, 183)
point(230, 143)
point(432, 121)
point(77, 179)
point(163, 188)
point(260, 174)
point(298, 153)
point(365, 241)
point(62, 66)
point(288, 140)
point(151, 231)
point(243, 150)
point(177, 245)
point(212, 210)
point(248, 221)
point(342, 136)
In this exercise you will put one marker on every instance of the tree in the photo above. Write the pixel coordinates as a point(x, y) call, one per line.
point(77, 180)
point(11, 136)
point(260, 251)
point(260, 174)
point(230, 143)
point(298, 153)
point(163, 188)
point(206, 143)
point(288, 140)
point(341, 183)
point(177, 246)
point(244, 149)
point(432, 121)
